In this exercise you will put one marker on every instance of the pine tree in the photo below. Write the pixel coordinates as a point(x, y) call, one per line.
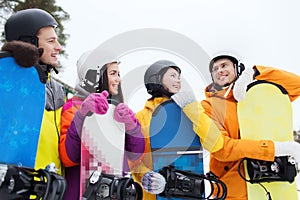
point(8, 7)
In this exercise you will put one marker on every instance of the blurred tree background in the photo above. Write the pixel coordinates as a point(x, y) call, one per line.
point(8, 7)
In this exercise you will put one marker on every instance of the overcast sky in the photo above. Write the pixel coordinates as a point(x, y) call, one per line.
point(258, 32)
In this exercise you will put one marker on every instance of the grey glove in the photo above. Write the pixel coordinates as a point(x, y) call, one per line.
point(289, 148)
point(183, 98)
point(153, 182)
point(240, 86)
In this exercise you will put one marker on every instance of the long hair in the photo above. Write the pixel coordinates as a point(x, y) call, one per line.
point(103, 85)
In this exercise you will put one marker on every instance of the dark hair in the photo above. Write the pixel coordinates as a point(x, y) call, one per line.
point(103, 85)
point(158, 90)
point(153, 77)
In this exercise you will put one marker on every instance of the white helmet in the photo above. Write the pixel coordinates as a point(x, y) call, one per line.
point(239, 67)
point(81, 69)
point(89, 71)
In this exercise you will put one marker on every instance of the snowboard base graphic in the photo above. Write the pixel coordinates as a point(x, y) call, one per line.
point(102, 146)
point(21, 112)
point(173, 141)
point(266, 114)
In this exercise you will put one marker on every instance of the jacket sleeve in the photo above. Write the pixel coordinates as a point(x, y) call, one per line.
point(144, 164)
point(235, 148)
point(134, 143)
point(73, 140)
point(209, 134)
point(290, 81)
point(69, 137)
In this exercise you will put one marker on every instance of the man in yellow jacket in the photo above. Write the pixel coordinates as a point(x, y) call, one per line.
point(221, 106)
point(37, 27)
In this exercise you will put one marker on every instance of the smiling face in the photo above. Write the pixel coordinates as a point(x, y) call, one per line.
point(48, 41)
point(223, 72)
point(171, 81)
point(114, 79)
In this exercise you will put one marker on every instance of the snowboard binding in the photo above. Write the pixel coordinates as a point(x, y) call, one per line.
point(24, 183)
point(106, 186)
point(183, 184)
point(282, 169)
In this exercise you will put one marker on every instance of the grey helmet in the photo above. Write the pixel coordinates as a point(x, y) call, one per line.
point(25, 24)
point(153, 77)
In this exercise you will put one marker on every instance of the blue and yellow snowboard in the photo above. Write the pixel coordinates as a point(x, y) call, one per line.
point(21, 112)
point(266, 114)
point(173, 141)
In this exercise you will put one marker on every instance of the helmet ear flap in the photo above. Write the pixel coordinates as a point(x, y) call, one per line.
point(100, 78)
point(239, 67)
point(30, 39)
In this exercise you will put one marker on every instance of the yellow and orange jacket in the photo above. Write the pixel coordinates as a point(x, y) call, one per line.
point(209, 134)
point(47, 151)
point(31, 135)
point(224, 162)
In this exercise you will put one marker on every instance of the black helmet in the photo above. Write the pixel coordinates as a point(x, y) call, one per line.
point(153, 76)
point(25, 24)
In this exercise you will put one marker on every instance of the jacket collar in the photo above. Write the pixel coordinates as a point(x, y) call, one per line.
point(153, 103)
point(224, 93)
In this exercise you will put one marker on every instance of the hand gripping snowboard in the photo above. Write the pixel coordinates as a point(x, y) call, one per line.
point(21, 112)
point(102, 146)
point(266, 114)
point(173, 141)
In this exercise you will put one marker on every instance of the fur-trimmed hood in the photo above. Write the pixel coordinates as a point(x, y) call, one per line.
point(25, 54)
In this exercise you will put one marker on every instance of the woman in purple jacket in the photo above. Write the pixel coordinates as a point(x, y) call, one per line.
point(94, 88)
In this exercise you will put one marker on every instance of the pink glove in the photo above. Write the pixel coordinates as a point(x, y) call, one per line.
point(125, 115)
point(95, 103)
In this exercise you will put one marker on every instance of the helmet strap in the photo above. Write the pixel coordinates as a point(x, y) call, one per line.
point(30, 39)
point(217, 87)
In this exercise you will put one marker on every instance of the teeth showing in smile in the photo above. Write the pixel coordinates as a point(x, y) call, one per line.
point(222, 78)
